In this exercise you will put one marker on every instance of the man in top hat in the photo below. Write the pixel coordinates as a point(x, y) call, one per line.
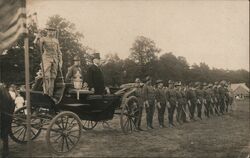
point(74, 70)
point(149, 101)
point(51, 60)
point(172, 99)
point(160, 97)
point(95, 78)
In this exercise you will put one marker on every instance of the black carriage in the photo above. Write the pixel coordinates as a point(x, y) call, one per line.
point(73, 110)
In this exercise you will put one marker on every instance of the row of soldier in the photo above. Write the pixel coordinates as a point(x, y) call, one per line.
point(185, 100)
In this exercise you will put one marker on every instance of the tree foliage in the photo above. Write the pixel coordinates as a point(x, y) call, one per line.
point(142, 60)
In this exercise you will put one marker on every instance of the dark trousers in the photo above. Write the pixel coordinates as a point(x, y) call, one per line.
point(192, 109)
point(139, 116)
point(183, 113)
point(216, 108)
point(199, 107)
point(179, 111)
point(161, 112)
point(171, 114)
point(207, 109)
point(150, 113)
point(222, 106)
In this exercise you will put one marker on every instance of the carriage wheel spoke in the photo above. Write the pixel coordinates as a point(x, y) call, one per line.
point(24, 134)
point(73, 131)
point(73, 136)
point(58, 138)
point(62, 123)
point(62, 147)
point(66, 141)
point(17, 130)
point(126, 122)
point(85, 123)
point(20, 133)
point(66, 125)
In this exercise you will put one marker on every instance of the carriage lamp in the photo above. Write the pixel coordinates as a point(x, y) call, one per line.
point(77, 81)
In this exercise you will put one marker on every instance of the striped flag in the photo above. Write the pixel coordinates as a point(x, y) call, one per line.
point(12, 22)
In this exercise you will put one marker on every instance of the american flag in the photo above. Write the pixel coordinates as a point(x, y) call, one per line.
point(12, 22)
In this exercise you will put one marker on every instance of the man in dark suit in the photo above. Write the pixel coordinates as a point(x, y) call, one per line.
point(95, 78)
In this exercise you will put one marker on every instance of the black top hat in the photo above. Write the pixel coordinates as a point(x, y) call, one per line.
point(96, 56)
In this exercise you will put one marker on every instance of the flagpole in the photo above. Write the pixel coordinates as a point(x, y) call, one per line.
point(27, 87)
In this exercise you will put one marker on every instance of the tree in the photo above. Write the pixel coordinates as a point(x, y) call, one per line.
point(69, 40)
point(13, 62)
point(143, 53)
point(112, 70)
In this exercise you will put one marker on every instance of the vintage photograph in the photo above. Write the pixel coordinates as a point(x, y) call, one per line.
point(124, 78)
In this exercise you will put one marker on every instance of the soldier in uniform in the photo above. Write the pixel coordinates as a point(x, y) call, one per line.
point(184, 105)
point(207, 100)
point(51, 60)
point(172, 99)
point(138, 93)
point(160, 102)
point(73, 70)
point(211, 99)
point(149, 101)
point(222, 96)
point(216, 98)
point(95, 78)
point(200, 101)
point(192, 100)
point(179, 102)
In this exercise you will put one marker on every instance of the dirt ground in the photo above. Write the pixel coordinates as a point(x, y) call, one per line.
point(226, 136)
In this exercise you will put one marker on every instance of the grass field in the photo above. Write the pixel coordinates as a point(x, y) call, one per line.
point(226, 136)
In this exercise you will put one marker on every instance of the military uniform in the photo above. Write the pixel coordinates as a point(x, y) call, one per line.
point(200, 101)
point(51, 60)
point(149, 100)
point(184, 105)
point(210, 91)
point(216, 99)
point(179, 105)
point(227, 99)
point(222, 97)
point(207, 101)
point(192, 101)
point(171, 96)
point(160, 96)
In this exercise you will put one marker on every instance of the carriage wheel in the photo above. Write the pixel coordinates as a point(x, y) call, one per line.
point(129, 114)
point(88, 125)
point(18, 131)
point(64, 132)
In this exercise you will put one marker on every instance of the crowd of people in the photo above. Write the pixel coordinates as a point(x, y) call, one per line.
point(204, 98)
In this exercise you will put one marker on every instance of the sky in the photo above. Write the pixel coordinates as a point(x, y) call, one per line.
point(214, 32)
